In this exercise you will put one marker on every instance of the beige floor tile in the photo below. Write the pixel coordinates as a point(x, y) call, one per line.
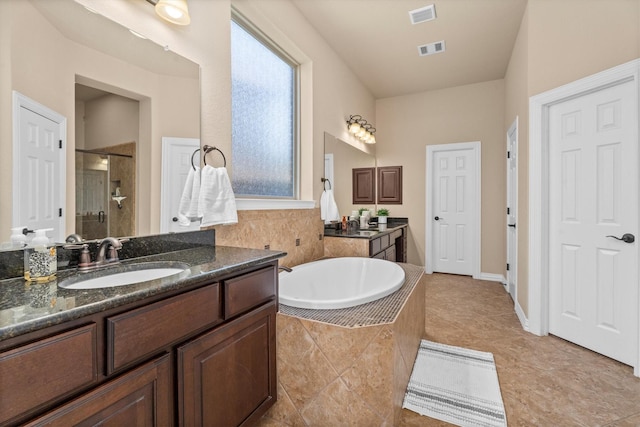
point(545, 381)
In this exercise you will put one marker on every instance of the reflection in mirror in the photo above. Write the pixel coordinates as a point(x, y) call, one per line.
point(56, 44)
point(340, 159)
point(105, 197)
point(105, 165)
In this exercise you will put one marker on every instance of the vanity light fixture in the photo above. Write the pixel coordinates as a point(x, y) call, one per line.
point(361, 129)
point(175, 11)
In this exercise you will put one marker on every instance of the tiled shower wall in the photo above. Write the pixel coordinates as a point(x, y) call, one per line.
point(298, 232)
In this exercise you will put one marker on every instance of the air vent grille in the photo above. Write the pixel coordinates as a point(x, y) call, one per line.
point(431, 48)
point(423, 14)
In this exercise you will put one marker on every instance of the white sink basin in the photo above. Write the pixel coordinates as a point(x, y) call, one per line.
point(135, 273)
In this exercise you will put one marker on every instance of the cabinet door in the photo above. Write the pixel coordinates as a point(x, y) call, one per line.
point(364, 185)
point(227, 377)
point(142, 397)
point(390, 185)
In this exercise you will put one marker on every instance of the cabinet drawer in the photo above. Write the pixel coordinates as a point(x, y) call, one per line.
point(46, 370)
point(249, 290)
point(379, 244)
point(138, 333)
point(384, 241)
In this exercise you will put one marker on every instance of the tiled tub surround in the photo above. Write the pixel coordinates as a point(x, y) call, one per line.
point(298, 232)
point(348, 366)
point(29, 307)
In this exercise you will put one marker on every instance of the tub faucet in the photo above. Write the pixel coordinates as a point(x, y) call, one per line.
point(287, 269)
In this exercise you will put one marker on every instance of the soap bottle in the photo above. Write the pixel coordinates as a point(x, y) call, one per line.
point(40, 258)
point(18, 239)
point(344, 223)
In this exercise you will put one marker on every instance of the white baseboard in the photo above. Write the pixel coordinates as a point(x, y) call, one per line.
point(492, 277)
point(521, 316)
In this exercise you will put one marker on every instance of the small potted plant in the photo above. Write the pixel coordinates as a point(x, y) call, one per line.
point(382, 215)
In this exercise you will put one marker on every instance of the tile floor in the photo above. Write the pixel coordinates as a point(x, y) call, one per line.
point(545, 381)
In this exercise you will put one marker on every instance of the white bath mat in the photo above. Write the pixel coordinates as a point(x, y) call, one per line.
point(456, 385)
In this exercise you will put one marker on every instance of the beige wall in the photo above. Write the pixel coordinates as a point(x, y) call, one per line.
point(331, 92)
point(407, 124)
point(559, 42)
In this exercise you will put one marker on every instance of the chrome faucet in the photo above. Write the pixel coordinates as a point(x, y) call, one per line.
point(111, 244)
point(352, 224)
point(107, 253)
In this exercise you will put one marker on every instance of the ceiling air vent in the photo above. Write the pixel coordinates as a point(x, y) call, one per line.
point(423, 14)
point(431, 48)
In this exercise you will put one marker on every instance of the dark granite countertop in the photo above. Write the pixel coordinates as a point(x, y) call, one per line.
point(27, 307)
point(368, 233)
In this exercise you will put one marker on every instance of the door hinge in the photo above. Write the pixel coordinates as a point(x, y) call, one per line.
point(60, 144)
point(508, 211)
point(508, 154)
point(507, 266)
point(60, 212)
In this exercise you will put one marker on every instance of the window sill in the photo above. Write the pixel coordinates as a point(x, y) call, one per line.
point(267, 204)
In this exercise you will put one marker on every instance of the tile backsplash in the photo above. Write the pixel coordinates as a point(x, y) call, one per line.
point(298, 232)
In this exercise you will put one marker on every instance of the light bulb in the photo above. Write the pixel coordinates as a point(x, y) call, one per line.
point(354, 127)
point(175, 11)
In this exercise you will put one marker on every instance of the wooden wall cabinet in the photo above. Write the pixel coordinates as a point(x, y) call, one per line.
point(364, 185)
point(390, 185)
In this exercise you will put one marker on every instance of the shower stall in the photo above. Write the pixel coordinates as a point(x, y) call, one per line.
point(105, 194)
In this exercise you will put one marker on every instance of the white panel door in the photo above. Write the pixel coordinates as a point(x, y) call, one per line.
point(453, 203)
point(37, 196)
point(512, 210)
point(593, 295)
point(176, 162)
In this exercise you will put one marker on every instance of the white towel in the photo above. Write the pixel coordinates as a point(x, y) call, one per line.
point(328, 208)
point(188, 207)
point(217, 203)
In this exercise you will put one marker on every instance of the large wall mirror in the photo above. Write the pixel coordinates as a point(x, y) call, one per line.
point(340, 159)
point(120, 94)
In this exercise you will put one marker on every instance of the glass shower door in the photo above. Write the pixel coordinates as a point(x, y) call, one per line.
point(92, 195)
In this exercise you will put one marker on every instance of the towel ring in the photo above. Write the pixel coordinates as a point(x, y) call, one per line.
point(324, 181)
point(207, 149)
point(194, 153)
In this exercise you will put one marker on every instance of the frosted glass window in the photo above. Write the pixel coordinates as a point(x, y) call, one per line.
point(263, 112)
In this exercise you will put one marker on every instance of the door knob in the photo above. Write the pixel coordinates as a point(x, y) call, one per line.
point(438, 218)
point(174, 219)
point(511, 225)
point(627, 238)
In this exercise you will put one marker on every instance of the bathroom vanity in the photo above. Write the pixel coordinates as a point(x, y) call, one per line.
point(389, 243)
point(196, 348)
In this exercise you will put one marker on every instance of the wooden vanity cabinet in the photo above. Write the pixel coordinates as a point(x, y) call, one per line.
point(43, 372)
point(205, 356)
point(142, 397)
point(391, 247)
point(227, 377)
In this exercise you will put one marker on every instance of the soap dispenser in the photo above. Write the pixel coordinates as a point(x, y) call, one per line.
point(18, 239)
point(40, 258)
